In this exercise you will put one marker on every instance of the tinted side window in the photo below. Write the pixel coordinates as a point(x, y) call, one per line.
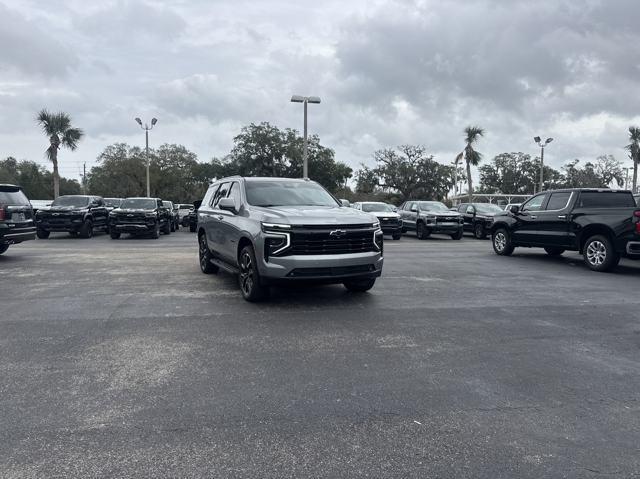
point(234, 193)
point(221, 193)
point(535, 203)
point(159, 203)
point(208, 197)
point(558, 201)
point(408, 206)
point(606, 199)
point(470, 210)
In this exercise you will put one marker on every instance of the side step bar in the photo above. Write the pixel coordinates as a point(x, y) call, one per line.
point(225, 266)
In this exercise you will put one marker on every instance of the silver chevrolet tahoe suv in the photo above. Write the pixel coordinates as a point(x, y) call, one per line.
point(278, 230)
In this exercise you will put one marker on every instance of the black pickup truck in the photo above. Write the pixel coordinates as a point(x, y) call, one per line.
point(140, 216)
point(602, 224)
point(75, 214)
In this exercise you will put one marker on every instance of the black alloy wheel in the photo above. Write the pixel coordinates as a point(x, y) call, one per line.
point(249, 277)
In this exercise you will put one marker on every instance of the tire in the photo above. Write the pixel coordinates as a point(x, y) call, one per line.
point(166, 229)
point(554, 251)
point(421, 231)
point(397, 236)
point(479, 231)
point(86, 231)
point(360, 285)
point(599, 254)
point(42, 234)
point(204, 256)
point(115, 234)
point(177, 225)
point(192, 228)
point(458, 235)
point(502, 244)
point(404, 230)
point(173, 227)
point(3, 248)
point(249, 278)
point(73, 233)
point(155, 234)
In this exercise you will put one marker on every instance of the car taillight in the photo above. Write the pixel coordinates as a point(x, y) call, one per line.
point(2, 213)
point(636, 220)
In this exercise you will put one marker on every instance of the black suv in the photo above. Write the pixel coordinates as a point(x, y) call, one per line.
point(478, 217)
point(75, 214)
point(602, 224)
point(173, 215)
point(140, 216)
point(192, 217)
point(16, 217)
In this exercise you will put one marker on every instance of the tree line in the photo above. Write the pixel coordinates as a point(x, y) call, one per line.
point(407, 171)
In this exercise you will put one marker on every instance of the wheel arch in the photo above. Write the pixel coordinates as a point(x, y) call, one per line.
point(242, 242)
point(592, 230)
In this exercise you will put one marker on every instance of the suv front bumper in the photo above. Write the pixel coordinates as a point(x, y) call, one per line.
point(335, 268)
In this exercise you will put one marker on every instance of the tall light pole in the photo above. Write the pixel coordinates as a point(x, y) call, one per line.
point(305, 100)
point(542, 145)
point(146, 129)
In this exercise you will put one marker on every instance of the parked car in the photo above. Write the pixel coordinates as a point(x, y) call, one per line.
point(74, 214)
point(112, 203)
point(192, 218)
point(173, 215)
point(39, 204)
point(183, 212)
point(140, 216)
point(16, 217)
point(279, 230)
point(390, 221)
point(427, 217)
point(478, 217)
point(602, 224)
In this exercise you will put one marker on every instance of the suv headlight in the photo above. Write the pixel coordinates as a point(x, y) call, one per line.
point(275, 227)
point(375, 225)
point(150, 215)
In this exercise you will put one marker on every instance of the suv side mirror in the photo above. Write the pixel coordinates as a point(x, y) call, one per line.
point(514, 209)
point(94, 204)
point(197, 203)
point(227, 204)
point(345, 203)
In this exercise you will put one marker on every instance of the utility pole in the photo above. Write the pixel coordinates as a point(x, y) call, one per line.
point(305, 100)
point(542, 145)
point(84, 178)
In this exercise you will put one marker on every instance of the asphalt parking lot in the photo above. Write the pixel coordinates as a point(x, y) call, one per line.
point(120, 359)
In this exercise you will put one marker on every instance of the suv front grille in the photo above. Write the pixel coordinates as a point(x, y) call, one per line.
point(328, 272)
point(331, 240)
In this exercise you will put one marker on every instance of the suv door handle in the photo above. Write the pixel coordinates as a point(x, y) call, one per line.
point(533, 217)
point(562, 217)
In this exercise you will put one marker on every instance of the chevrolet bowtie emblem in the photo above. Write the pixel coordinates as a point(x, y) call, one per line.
point(338, 233)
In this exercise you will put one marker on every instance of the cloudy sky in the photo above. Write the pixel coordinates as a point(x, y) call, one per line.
point(389, 72)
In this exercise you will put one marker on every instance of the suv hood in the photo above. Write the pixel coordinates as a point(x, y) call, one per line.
point(439, 213)
point(118, 210)
point(316, 215)
point(385, 214)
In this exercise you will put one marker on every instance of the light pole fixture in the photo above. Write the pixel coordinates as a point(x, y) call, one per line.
point(542, 145)
point(305, 100)
point(146, 129)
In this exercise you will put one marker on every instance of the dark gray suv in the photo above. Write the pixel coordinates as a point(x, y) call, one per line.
point(279, 230)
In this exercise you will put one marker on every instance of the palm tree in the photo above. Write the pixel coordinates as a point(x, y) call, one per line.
point(634, 152)
point(471, 156)
point(57, 127)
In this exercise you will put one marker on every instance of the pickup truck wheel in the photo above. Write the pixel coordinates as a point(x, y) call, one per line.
point(360, 285)
point(204, 255)
point(599, 254)
point(249, 278)
point(173, 227)
point(42, 234)
point(155, 234)
point(422, 232)
point(3, 248)
point(458, 235)
point(86, 231)
point(114, 234)
point(479, 232)
point(166, 229)
point(192, 228)
point(552, 251)
point(502, 244)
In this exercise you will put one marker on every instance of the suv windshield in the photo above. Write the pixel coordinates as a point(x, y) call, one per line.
point(75, 201)
point(167, 204)
point(12, 196)
point(487, 208)
point(138, 204)
point(288, 193)
point(432, 206)
point(369, 207)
